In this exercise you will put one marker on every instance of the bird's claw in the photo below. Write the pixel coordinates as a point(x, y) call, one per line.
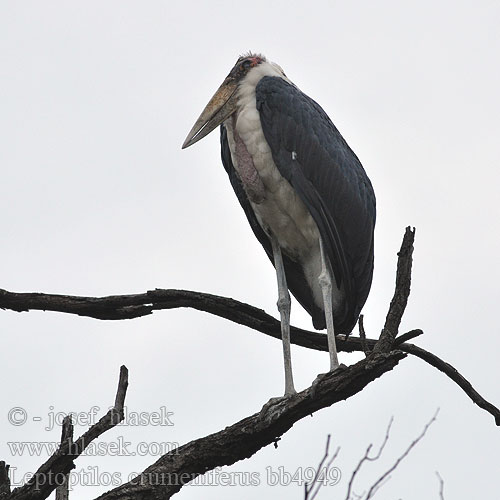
point(322, 376)
point(278, 401)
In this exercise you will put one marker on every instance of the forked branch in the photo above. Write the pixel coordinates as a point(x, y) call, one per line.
point(54, 471)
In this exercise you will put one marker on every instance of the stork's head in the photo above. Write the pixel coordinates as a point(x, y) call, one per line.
point(246, 73)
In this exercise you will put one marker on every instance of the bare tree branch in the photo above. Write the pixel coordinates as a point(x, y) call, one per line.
point(62, 491)
point(401, 294)
point(53, 472)
point(405, 337)
point(382, 479)
point(117, 307)
point(366, 458)
point(441, 486)
point(241, 440)
point(362, 334)
point(4, 480)
point(454, 375)
point(386, 475)
point(311, 489)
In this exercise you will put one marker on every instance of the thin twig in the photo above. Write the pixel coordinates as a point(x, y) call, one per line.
point(441, 486)
point(329, 463)
point(356, 470)
point(366, 458)
point(454, 375)
point(309, 487)
point(382, 479)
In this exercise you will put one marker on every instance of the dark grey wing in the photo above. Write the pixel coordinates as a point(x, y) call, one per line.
point(295, 276)
point(312, 155)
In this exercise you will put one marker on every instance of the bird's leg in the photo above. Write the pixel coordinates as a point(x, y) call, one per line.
point(284, 305)
point(325, 282)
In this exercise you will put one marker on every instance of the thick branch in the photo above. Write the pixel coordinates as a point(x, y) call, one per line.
point(132, 306)
point(117, 307)
point(241, 440)
point(53, 472)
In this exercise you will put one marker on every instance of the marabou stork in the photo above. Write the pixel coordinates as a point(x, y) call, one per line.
point(304, 192)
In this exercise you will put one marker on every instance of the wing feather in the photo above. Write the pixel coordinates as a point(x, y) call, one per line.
point(331, 182)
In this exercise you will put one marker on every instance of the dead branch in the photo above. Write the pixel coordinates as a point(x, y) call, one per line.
point(441, 486)
point(118, 307)
point(54, 471)
point(62, 491)
point(386, 475)
point(367, 458)
point(454, 375)
point(241, 440)
point(4, 481)
point(362, 334)
point(401, 294)
point(312, 489)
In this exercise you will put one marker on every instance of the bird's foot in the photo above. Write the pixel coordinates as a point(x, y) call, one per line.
point(278, 402)
point(322, 376)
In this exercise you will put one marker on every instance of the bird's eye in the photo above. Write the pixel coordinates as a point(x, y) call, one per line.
point(246, 64)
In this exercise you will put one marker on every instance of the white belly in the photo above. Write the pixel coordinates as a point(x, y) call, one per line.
point(277, 207)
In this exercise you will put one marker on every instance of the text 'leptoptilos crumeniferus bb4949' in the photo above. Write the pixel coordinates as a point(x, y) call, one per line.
point(304, 191)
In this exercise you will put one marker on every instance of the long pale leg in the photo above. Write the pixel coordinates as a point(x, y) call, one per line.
point(284, 305)
point(325, 282)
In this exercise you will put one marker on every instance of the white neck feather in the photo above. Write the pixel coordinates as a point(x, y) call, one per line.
point(247, 86)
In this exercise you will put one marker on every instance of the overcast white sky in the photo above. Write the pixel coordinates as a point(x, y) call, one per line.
point(98, 198)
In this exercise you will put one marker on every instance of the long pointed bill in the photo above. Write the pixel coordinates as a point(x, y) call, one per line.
point(221, 106)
